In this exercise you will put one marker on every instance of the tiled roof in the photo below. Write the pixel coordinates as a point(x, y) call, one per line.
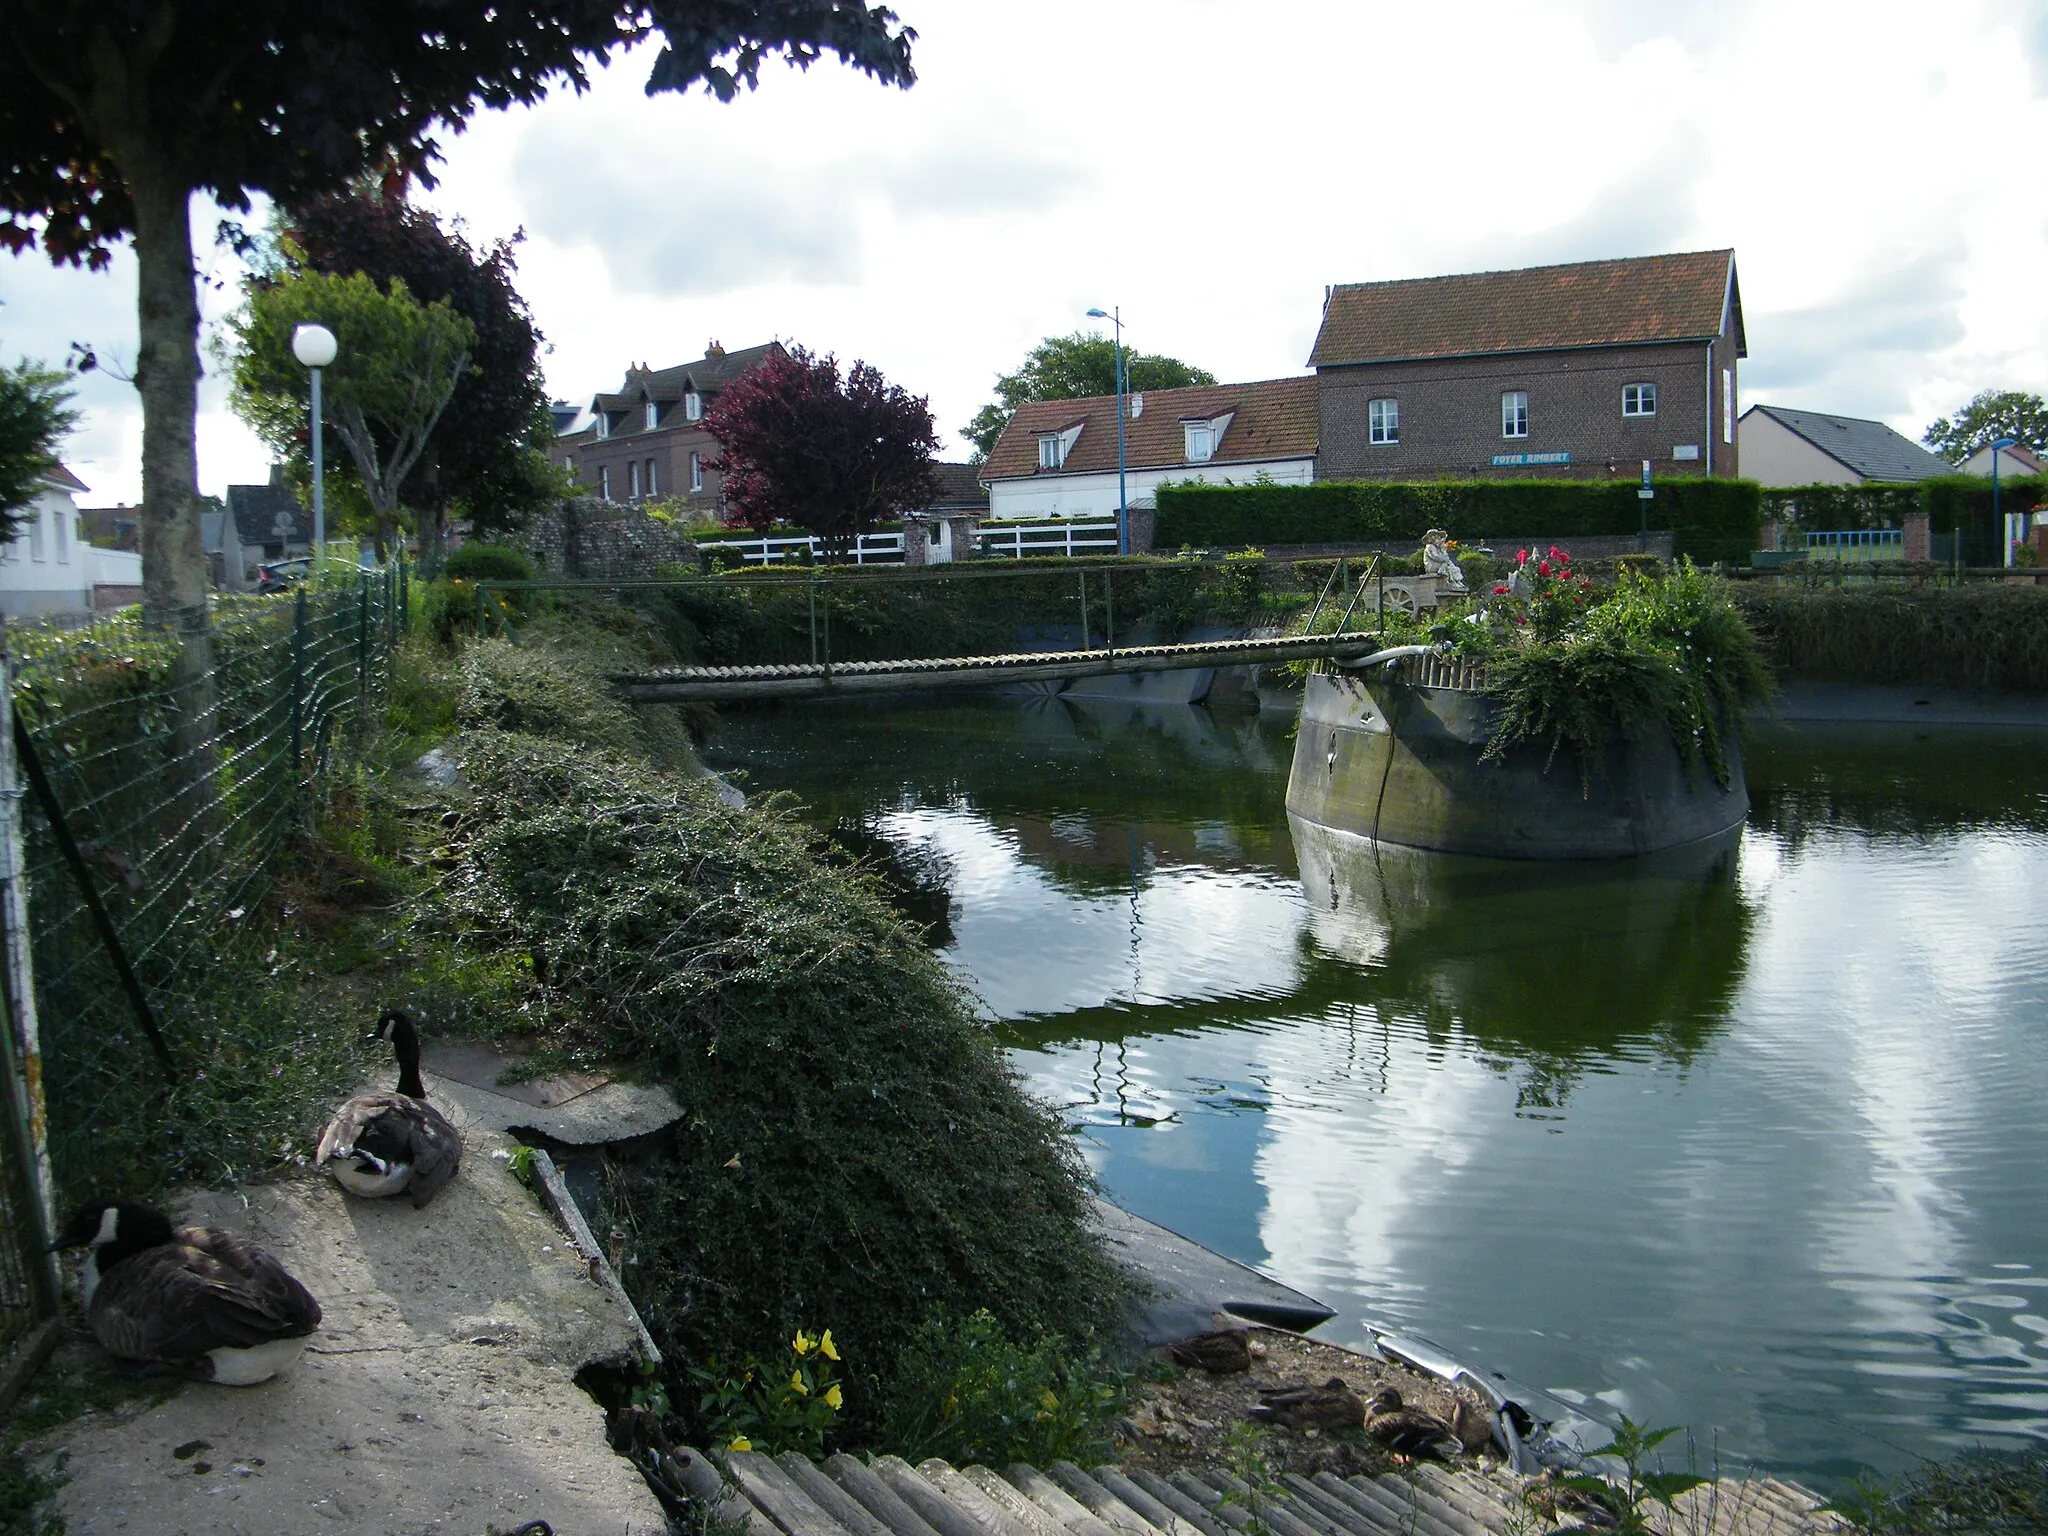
point(1272, 419)
point(706, 376)
point(1682, 297)
point(1872, 449)
point(960, 488)
point(64, 480)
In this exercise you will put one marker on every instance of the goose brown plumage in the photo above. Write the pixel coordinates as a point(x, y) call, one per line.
point(382, 1144)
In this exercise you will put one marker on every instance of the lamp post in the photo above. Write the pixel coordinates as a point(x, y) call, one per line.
point(314, 346)
point(1998, 447)
point(1123, 515)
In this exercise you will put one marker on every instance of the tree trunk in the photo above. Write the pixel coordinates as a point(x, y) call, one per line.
point(174, 575)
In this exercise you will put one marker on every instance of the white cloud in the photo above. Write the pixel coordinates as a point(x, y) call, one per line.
point(1210, 169)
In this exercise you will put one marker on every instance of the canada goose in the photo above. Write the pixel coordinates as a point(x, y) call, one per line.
point(197, 1300)
point(387, 1143)
point(1409, 1431)
point(1333, 1405)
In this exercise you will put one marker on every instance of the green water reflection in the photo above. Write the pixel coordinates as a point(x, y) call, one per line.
point(1746, 1138)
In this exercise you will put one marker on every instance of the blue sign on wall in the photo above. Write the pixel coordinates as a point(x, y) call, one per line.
point(1511, 460)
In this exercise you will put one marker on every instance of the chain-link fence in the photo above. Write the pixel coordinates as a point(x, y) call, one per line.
point(161, 792)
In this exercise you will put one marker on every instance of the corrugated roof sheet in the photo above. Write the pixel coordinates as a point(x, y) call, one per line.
point(1270, 419)
point(1870, 448)
point(1681, 297)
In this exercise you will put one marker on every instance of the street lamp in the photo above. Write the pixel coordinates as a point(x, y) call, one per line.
point(1123, 515)
point(314, 346)
point(1998, 447)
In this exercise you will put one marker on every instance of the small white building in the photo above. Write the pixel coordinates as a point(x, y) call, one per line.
point(1058, 458)
point(48, 570)
point(1784, 447)
point(2016, 460)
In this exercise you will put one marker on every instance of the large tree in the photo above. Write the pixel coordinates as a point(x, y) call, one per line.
point(114, 113)
point(1993, 414)
point(1074, 368)
point(34, 417)
point(397, 364)
point(487, 460)
point(835, 454)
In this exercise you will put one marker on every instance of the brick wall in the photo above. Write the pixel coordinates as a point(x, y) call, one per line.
point(590, 540)
point(1451, 414)
point(668, 447)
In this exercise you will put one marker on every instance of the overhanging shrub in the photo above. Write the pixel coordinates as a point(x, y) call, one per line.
point(1711, 519)
point(1990, 636)
point(1842, 507)
point(488, 562)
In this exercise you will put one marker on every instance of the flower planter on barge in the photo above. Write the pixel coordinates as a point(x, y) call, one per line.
point(1394, 754)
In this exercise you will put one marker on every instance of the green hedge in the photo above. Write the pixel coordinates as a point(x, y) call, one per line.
point(1951, 502)
point(1842, 507)
point(1712, 519)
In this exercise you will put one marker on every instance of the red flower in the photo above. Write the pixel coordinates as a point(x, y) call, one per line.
point(1521, 557)
point(1500, 591)
point(1555, 551)
point(1542, 567)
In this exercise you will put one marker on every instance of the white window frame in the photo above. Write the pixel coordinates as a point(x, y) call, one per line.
point(604, 482)
point(696, 471)
point(35, 533)
point(60, 517)
point(1727, 405)
point(653, 415)
point(633, 479)
point(604, 426)
point(1514, 413)
point(1383, 421)
point(1051, 451)
point(1638, 400)
point(652, 488)
point(693, 406)
point(1198, 441)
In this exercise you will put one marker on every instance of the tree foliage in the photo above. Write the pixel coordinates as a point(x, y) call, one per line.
point(397, 364)
point(113, 114)
point(833, 454)
point(1074, 368)
point(34, 418)
point(487, 460)
point(1992, 414)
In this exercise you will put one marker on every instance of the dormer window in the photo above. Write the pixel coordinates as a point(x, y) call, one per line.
point(693, 406)
point(604, 426)
point(1049, 455)
point(1201, 441)
point(653, 415)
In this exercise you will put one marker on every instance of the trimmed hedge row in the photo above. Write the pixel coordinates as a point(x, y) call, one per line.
point(1950, 502)
point(1711, 519)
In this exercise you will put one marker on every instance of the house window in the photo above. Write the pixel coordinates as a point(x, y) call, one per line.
point(653, 415)
point(35, 534)
point(696, 471)
point(1383, 421)
point(1638, 399)
point(1514, 413)
point(1201, 441)
point(1727, 405)
point(1049, 455)
point(693, 406)
point(604, 426)
point(633, 478)
point(652, 488)
point(60, 525)
point(604, 482)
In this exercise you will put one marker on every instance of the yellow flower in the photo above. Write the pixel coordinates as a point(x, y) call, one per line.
point(833, 1399)
point(796, 1384)
point(825, 1346)
point(1047, 1400)
point(802, 1343)
point(739, 1443)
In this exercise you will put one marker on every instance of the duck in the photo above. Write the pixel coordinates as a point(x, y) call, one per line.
point(381, 1144)
point(1409, 1431)
point(199, 1302)
point(1220, 1350)
point(1333, 1405)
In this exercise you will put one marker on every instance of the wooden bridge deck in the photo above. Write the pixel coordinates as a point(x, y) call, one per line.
point(679, 685)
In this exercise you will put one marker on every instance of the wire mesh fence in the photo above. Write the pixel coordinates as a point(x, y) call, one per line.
point(169, 789)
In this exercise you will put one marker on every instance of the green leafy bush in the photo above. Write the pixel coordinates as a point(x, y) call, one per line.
point(1987, 635)
point(488, 562)
point(543, 693)
point(1711, 519)
point(966, 1391)
point(772, 1409)
point(1978, 1493)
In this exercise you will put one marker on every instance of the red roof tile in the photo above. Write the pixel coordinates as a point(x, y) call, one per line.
point(1271, 419)
point(1683, 297)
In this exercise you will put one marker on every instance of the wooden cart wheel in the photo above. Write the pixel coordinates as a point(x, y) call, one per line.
point(1401, 600)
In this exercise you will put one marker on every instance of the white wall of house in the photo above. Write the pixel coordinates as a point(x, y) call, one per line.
point(1094, 495)
point(2009, 464)
point(1771, 453)
point(47, 567)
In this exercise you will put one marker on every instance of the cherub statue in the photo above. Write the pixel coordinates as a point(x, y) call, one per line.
point(1438, 561)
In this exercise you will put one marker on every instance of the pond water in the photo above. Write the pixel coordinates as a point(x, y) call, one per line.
point(1750, 1142)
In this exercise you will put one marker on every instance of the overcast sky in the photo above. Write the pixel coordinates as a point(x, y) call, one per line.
point(1209, 167)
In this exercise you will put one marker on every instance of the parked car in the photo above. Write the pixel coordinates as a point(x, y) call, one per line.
point(277, 575)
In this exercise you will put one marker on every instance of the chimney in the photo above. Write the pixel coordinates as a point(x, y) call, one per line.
point(1137, 406)
point(712, 349)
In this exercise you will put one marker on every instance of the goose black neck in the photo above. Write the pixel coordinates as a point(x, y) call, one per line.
point(405, 1043)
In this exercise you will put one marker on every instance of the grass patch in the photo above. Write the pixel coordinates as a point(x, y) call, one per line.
point(1979, 1493)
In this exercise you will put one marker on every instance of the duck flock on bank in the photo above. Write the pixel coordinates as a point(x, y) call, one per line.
point(207, 1304)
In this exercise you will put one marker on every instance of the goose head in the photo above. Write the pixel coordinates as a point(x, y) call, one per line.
point(395, 1026)
point(110, 1231)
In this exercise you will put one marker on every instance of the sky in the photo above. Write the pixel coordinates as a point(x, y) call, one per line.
point(1209, 168)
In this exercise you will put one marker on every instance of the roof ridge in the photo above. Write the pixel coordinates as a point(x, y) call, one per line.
point(1552, 266)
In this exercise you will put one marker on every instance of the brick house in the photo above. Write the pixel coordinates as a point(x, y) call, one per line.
point(647, 439)
point(1057, 458)
point(1579, 371)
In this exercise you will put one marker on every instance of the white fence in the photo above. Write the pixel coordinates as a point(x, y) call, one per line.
point(1852, 544)
point(1013, 541)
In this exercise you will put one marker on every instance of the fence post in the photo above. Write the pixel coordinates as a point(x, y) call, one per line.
point(1109, 603)
point(362, 646)
point(298, 693)
point(1084, 609)
point(811, 593)
point(828, 631)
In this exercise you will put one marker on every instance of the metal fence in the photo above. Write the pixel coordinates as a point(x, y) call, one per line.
point(157, 805)
point(1014, 540)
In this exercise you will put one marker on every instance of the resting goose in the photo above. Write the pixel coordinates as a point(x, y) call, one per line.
point(197, 1300)
point(391, 1143)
